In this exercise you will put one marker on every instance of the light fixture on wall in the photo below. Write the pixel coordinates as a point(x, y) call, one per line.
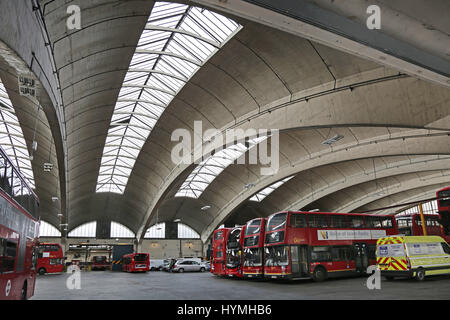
point(177, 220)
point(48, 166)
point(332, 140)
point(205, 208)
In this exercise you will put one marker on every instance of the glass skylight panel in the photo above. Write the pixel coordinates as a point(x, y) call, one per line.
point(11, 137)
point(87, 230)
point(120, 231)
point(156, 231)
point(47, 230)
point(211, 167)
point(265, 192)
point(177, 40)
point(186, 232)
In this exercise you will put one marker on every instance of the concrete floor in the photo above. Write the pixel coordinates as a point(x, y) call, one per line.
point(106, 285)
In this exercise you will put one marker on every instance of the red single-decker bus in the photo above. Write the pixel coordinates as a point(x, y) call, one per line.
point(136, 262)
point(253, 265)
point(50, 258)
point(100, 263)
point(319, 245)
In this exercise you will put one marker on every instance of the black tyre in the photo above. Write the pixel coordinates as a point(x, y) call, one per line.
point(420, 275)
point(320, 274)
point(202, 269)
point(23, 295)
point(181, 270)
point(42, 271)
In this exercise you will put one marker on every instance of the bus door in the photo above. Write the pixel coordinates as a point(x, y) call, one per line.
point(361, 257)
point(299, 260)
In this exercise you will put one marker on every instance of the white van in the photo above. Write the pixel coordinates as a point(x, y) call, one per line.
point(412, 256)
point(156, 264)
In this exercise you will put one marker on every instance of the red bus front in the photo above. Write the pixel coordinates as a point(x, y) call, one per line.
point(100, 263)
point(320, 245)
point(444, 211)
point(234, 259)
point(136, 262)
point(50, 258)
point(253, 260)
point(19, 228)
point(220, 237)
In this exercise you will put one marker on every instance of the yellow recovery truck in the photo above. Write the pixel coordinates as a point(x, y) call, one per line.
point(412, 256)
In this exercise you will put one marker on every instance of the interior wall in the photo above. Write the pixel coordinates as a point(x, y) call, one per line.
point(157, 248)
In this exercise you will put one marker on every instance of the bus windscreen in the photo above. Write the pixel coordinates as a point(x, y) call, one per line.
point(276, 222)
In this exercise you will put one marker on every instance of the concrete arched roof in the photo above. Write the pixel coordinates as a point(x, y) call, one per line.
point(261, 78)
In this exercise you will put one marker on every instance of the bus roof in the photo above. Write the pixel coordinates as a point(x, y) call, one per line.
point(338, 213)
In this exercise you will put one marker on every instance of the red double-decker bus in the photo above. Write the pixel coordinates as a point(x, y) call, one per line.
point(444, 211)
point(253, 260)
point(411, 225)
point(319, 245)
point(19, 228)
point(136, 262)
point(50, 258)
point(234, 256)
point(220, 237)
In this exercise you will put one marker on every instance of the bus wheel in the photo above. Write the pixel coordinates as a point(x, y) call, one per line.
point(42, 271)
point(23, 295)
point(320, 274)
point(420, 275)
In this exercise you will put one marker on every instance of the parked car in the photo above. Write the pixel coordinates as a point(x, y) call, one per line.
point(156, 264)
point(168, 264)
point(207, 265)
point(187, 265)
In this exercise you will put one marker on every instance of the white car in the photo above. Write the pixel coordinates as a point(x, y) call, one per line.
point(156, 264)
point(186, 265)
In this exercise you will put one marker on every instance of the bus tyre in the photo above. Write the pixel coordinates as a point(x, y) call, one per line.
point(320, 274)
point(23, 294)
point(42, 271)
point(420, 275)
point(181, 270)
point(202, 269)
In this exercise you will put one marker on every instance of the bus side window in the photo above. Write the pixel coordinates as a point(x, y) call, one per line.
point(298, 221)
point(445, 247)
point(8, 250)
point(387, 222)
point(321, 254)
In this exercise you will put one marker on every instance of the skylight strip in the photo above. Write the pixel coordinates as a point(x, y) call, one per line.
point(176, 41)
point(11, 137)
point(205, 173)
point(265, 192)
